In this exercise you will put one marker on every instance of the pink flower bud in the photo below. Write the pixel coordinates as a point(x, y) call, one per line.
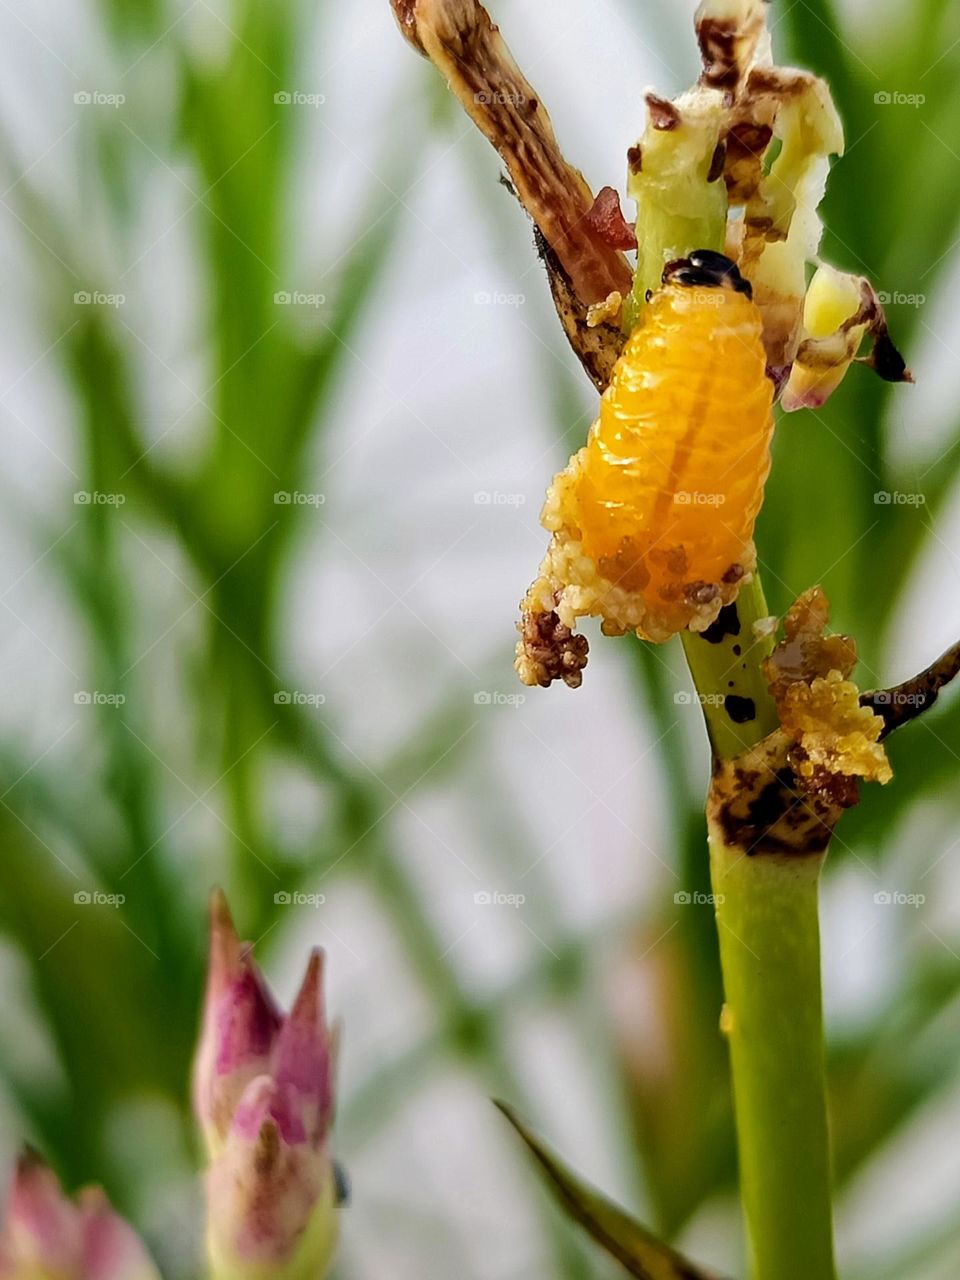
point(263, 1090)
point(241, 1025)
point(48, 1237)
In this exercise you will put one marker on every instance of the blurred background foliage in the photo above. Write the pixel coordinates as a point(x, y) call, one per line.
point(317, 295)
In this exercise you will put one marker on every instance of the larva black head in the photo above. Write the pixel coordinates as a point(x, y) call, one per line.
point(707, 268)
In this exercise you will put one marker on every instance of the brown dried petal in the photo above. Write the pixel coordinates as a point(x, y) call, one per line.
point(728, 43)
point(608, 223)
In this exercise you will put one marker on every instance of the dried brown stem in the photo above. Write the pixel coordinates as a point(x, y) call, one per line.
point(904, 702)
point(465, 45)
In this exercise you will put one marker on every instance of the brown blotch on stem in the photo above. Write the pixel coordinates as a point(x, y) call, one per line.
point(762, 807)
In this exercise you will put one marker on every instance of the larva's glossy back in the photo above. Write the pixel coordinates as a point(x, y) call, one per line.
point(672, 477)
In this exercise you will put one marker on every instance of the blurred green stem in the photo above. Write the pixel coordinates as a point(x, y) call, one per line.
point(770, 954)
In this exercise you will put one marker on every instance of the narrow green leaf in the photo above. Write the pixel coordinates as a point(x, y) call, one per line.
point(638, 1252)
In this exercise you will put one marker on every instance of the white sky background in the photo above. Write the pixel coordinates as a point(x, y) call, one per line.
point(447, 397)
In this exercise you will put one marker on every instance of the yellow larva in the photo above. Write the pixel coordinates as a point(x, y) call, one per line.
point(652, 521)
point(663, 499)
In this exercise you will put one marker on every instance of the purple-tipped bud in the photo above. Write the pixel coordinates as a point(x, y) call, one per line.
point(48, 1237)
point(263, 1089)
point(241, 1025)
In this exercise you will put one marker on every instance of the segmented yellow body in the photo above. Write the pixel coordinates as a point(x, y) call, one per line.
point(671, 481)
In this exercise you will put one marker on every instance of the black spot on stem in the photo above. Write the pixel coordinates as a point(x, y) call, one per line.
point(740, 710)
point(727, 624)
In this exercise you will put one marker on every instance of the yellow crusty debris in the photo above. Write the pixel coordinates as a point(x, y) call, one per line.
point(818, 705)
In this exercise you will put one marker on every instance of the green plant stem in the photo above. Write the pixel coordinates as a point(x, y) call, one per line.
point(769, 938)
point(770, 954)
point(728, 676)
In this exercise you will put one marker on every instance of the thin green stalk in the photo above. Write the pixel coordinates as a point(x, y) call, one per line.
point(770, 953)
